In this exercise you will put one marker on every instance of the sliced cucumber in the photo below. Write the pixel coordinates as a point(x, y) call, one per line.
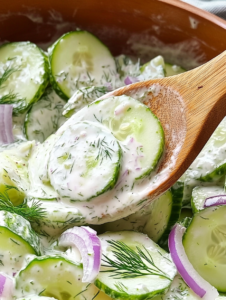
point(179, 291)
point(82, 97)
point(43, 118)
point(116, 285)
point(17, 239)
point(130, 122)
point(14, 172)
point(153, 69)
point(200, 193)
point(24, 74)
point(155, 219)
point(40, 187)
point(35, 297)
point(58, 218)
point(55, 276)
point(78, 59)
point(210, 165)
point(171, 70)
point(84, 162)
point(204, 242)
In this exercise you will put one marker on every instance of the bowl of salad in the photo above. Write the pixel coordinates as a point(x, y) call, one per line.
point(76, 165)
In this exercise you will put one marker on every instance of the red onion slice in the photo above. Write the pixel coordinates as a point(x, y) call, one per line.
point(199, 285)
point(129, 80)
point(215, 200)
point(6, 124)
point(89, 246)
point(6, 287)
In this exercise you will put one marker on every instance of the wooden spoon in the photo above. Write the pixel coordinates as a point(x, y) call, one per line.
point(189, 106)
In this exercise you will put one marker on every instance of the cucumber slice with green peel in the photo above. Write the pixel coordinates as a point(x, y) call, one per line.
point(79, 59)
point(204, 243)
point(152, 69)
point(40, 187)
point(130, 122)
point(14, 172)
point(35, 297)
point(17, 239)
point(58, 217)
point(155, 219)
point(57, 277)
point(84, 162)
point(200, 193)
point(141, 283)
point(91, 293)
point(82, 97)
point(24, 74)
point(171, 70)
point(209, 167)
point(43, 118)
point(180, 291)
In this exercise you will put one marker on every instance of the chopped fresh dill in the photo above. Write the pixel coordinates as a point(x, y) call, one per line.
point(104, 151)
point(129, 263)
point(33, 213)
point(9, 70)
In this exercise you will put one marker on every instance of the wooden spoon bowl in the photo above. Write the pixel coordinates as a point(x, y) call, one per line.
point(189, 106)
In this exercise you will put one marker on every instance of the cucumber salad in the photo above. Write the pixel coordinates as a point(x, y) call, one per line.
point(75, 170)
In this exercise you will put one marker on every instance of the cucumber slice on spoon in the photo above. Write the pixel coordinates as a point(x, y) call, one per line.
point(84, 162)
point(177, 101)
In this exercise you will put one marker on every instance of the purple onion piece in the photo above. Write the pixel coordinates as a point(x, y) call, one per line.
point(215, 200)
point(86, 241)
point(129, 80)
point(199, 285)
point(6, 286)
point(6, 124)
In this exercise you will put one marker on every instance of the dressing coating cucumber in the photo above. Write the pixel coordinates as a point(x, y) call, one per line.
point(200, 193)
point(82, 97)
point(44, 116)
point(84, 162)
point(180, 291)
point(130, 122)
point(155, 219)
point(58, 217)
point(40, 187)
point(17, 239)
point(153, 69)
point(171, 70)
point(209, 167)
point(126, 67)
point(204, 243)
point(35, 297)
point(14, 172)
point(116, 285)
point(24, 74)
point(78, 59)
point(57, 277)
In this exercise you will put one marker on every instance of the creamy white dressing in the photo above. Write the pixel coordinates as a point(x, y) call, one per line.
point(128, 193)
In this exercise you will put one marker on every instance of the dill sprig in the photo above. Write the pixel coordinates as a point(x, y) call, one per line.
point(31, 213)
point(129, 263)
point(10, 97)
point(9, 70)
point(104, 151)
